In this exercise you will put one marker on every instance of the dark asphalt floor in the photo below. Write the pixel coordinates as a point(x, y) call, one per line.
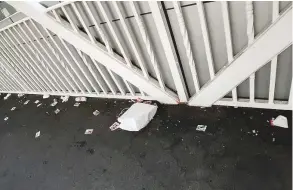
point(168, 154)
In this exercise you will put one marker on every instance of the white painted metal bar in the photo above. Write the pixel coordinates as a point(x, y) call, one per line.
point(9, 79)
point(229, 47)
point(270, 43)
point(166, 40)
point(16, 68)
point(113, 62)
point(40, 57)
point(64, 86)
point(250, 35)
point(206, 40)
point(274, 60)
point(14, 24)
point(17, 64)
point(147, 43)
point(35, 63)
point(59, 5)
point(290, 101)
point(22, 57)
point(186, 43)
point(58, 66)
point(129, 87)
point(5, 82)
point(131, 40)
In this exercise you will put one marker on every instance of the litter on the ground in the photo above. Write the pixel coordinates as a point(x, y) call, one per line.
point(114, 126)
point(26, 102)
point(64, 98)
point(37, 101)
point(274, 139)
point(13, 108)
point(38, 134)
point(54, 103)
point(39, 105)
point(80, 99)
point(57, 111)
point(7, 96)
point(20, 95)
point(45, 96)
point(88, 131)
point(201, 128)
point(137, 117)
point(76, 104)
point(253, 131)
point(6, 118)
point(280, 121)
point(96, 112)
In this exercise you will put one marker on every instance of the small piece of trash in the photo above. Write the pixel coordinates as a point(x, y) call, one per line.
point(39, 105)
point(201, 128)
point(45, 96)
point(7, 96)
point(88, 131)
point(38, 134)
point(37, 101)
point(253, 131)
point(274, 139)
point(13, 108)
point(57, 111)
point(6, 118)
point(280, 121)
point(26, 102)
point(76, 104)
point(54, 103)
point(64, 98)
point(114, 126)
point(80, 99)
point(96, 112)
point(20, 95)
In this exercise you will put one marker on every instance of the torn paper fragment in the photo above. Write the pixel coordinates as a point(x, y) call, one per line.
point(201, 128)
point(26, 102)
point(57, 111)
point(96, 113)
point(13, 108)
point(54, 103)
point(64, 98)
point(280, 121)
point(76, 104)
point(137, 117)
point(20, 95)
point(45, 96)
point(88, 131)
point(7, 96)
point(114, 126)
point(6, 118)
point(37, 101)
point(39, 105)
point(80, 99)
point(38, 134)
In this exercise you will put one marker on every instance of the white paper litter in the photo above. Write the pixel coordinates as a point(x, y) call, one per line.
point(96, 112)
point(39, 105)
point(13, 108)
point(88, 131)
point(6, 118)
point(57, 111)
point(37, 101)
point(38, 134)
point(45, 96)
point(76, 104)
point(80, 99)
point(201, 128)
point(7, 96)
point(54, 103)
point(137, 116)
point(280, 121)
point(114, 126)
point(64, 98)
point(20, 95)
point(26, 102)
point(253, 131)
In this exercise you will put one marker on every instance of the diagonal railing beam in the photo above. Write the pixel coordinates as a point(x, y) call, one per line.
point(97, 51)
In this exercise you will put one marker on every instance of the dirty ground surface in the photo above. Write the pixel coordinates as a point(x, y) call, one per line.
point(168, 154)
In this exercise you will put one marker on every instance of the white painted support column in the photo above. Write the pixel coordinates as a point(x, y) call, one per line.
point(166, 40)
point(270, 43)
point(229, 47)
point(115, 63)
point(274, 60)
